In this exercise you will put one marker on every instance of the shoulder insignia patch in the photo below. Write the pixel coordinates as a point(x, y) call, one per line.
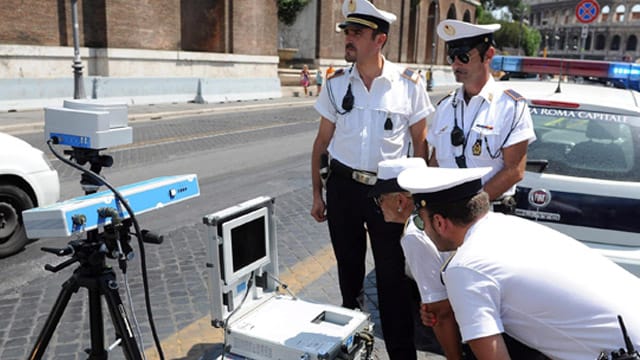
point(514, 95)
point(411, 75)
point(444, 98)
point(337, 73)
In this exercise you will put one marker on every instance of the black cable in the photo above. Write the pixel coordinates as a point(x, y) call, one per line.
point(143, 262)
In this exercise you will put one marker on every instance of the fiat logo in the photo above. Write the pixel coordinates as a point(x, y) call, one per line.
point(539, 197)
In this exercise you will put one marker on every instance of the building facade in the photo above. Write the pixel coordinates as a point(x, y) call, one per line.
point(612, 36)
point(412, 38)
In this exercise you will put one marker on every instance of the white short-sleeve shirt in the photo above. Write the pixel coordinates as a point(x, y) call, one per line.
point(424, 261)
point(361, 139)
point(491, 121)
point(541, 287)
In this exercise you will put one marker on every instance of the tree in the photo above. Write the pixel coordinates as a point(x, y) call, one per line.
point(288, 10)
point(512, 33)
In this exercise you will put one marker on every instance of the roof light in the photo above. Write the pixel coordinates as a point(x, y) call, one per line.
point(555, 104)
point(627, 72)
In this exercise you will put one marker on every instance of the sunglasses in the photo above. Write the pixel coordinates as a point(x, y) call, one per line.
point(462, 53)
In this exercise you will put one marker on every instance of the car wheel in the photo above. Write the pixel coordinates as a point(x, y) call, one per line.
point(13, 201)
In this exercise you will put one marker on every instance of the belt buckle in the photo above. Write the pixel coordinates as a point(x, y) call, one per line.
point(363, 178)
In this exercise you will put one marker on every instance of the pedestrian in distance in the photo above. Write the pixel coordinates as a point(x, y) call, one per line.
point(319, 81)
point(480, 124)
point(372, 111)
point(305, 79)
point(422, 256)
point(556, 296)
point(329, 72)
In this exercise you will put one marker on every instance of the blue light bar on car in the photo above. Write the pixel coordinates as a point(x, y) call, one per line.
point(626, 72)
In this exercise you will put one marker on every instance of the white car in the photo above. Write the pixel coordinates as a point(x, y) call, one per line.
point(27, 180)
point(583, 171)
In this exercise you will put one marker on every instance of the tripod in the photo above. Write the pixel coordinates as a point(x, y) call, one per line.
point(93, 274)
point(99, 280)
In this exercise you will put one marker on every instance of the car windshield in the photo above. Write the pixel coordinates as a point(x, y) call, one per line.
point(586, 144)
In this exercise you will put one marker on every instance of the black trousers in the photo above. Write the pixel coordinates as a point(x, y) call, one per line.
point(349, 210)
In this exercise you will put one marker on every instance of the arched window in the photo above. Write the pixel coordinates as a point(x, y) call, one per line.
point(600, 41)
point(587, 43)
point(605, 13)
point(620, 9)
point(467, 16)
point(635, 12)
point(615, 43)
point(451, 14)
point(632, 43)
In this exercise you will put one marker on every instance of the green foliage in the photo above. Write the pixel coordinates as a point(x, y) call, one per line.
point(288, 10)
point(512, 34)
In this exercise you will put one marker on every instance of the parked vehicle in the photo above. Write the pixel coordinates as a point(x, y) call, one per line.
point(27, 179)
point(583, 171)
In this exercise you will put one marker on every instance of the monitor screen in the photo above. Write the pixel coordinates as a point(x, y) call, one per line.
point(245, 245)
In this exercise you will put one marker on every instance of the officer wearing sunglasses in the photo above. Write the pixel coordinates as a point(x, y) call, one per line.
point(422, 257)
point(482, 123)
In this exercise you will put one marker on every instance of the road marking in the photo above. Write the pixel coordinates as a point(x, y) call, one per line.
point(200, 334)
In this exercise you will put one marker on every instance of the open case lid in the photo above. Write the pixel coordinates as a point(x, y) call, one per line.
point(233, 290)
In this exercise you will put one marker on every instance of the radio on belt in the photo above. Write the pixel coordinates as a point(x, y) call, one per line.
point(259, 322)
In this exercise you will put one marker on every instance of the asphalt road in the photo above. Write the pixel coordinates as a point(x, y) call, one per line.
point(238, 154)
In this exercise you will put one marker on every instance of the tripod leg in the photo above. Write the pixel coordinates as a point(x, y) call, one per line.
point(68, 288)
point(95, 323)
point(124, 331)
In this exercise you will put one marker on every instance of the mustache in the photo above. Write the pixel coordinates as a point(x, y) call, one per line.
point(349, 47)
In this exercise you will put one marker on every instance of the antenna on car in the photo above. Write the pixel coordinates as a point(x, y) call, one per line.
point(558, 90)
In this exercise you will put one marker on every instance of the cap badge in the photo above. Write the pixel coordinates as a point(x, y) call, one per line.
point(352, 6)
point(449, 30)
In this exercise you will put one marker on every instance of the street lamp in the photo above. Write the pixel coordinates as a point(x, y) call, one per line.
point(433, 47)
point(78, 83)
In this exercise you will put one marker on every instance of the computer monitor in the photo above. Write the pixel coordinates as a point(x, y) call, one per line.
point(245, 246)
point(243, 256)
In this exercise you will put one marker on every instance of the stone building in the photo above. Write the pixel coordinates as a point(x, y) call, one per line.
point(612, 36)
point(413, 38)
point(167, 50)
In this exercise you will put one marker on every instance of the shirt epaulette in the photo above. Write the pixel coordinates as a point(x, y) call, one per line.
point(411, 75)
point(337, 73)
point(514, 95)
point(444, 98)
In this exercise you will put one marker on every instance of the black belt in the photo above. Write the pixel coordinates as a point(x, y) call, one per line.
point(363, 177)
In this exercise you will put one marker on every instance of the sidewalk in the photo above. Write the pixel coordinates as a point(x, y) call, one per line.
point(18, 122)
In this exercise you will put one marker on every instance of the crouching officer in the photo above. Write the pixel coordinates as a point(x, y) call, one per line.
point(372, 111)
point(480, 124)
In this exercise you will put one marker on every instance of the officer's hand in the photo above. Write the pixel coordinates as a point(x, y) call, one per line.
point(318, 210)
point(428, 318)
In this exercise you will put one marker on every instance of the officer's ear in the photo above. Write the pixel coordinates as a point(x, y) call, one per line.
point(380, 38)
point(489, 54)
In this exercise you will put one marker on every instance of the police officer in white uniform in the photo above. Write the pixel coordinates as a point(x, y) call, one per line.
point(422, 257)
point(372, 111)
point(480, 124)
point(515, 276)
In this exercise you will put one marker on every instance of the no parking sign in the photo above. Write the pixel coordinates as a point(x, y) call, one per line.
point(587, 11)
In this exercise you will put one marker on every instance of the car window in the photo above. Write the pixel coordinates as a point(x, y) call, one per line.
point(586, 144)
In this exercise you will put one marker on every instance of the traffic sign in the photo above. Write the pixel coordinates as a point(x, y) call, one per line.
point(587, 11)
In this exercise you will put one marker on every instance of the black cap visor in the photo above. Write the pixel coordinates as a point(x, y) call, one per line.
point(369, 21)
point(385, 187)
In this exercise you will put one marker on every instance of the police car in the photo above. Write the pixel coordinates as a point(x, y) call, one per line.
point(583, 171)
